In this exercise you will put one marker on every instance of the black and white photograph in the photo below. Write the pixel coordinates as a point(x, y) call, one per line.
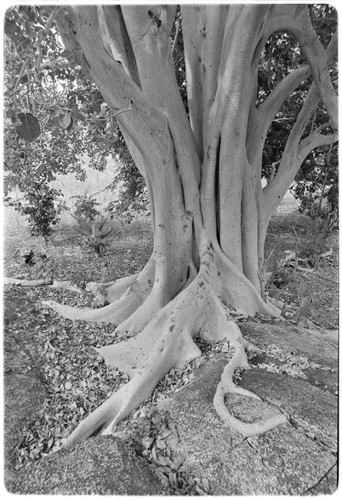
point(170, 249)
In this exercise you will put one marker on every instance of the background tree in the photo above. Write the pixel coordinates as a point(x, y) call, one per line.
point(317, 179)
point(54, 115)
point(202, 164)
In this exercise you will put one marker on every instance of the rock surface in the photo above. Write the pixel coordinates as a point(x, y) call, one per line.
point(296, 458)
point(287, 460)
point(102, 465)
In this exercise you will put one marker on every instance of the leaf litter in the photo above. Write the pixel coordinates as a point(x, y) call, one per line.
point(78, 381)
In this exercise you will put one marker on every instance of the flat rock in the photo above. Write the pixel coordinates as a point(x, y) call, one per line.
point(296, 458)
point(101, 465)
point(288, 460)
point(290, 339)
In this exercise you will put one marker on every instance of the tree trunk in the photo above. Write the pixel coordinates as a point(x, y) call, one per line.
point(203, 173)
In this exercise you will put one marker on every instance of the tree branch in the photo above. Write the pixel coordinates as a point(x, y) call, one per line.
point(275, 190)
point(313, 141)
point(318, 59)
point(175, 40)
point(203, 31)
point(116, 39)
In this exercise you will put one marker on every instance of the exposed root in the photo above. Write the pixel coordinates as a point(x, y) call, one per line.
point(164, 343)
point(114, 313)
point(227, 328)
point(167, 342)
point(237, 291)
point(142, 315)
point(65, 285)
point(227, 386)
point(131, 292)
point(19, 282)
point(117, 407)
point(116, 289)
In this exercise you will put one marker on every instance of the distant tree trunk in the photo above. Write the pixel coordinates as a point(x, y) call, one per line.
point(203, 173)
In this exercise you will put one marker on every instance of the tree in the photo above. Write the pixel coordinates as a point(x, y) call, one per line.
point(202, 168)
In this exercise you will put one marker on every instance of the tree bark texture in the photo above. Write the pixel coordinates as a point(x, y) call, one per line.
point(203, 172)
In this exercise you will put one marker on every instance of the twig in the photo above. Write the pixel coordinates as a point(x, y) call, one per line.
point(273, 171)
point(20, 75)
point(178, 25)
point(123, 110)
point(51, 18)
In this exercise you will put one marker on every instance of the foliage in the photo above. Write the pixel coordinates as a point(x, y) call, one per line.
point(133, 198)
point(316, 185)
point(85, 206)
point(39, 206)
point(90, 222)
point(313, 244)
point(95, 233)
point(318, 176)
point(306, 247)
point(53, 113)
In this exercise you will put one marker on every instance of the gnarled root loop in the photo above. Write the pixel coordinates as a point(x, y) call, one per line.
point(227, 386)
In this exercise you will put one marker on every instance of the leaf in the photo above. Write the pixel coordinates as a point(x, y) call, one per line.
point(205, 484)
point(103, 236)
point(146, 441)
point(154, 456)
point(10, 113)
point(12, 30)
point(50, 176)
point(29, 130)
point(97, 107)
point(160, 444)
point(65, 120)
point(162, 461)
point(173, 479)
point(55, 133)
point(77, 115)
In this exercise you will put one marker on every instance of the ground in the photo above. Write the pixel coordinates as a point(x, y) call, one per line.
point(51, 360)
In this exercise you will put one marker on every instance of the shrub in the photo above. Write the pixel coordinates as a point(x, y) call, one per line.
point(39, 206)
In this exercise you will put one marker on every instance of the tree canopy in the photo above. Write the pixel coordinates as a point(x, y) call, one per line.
point(202, 144)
